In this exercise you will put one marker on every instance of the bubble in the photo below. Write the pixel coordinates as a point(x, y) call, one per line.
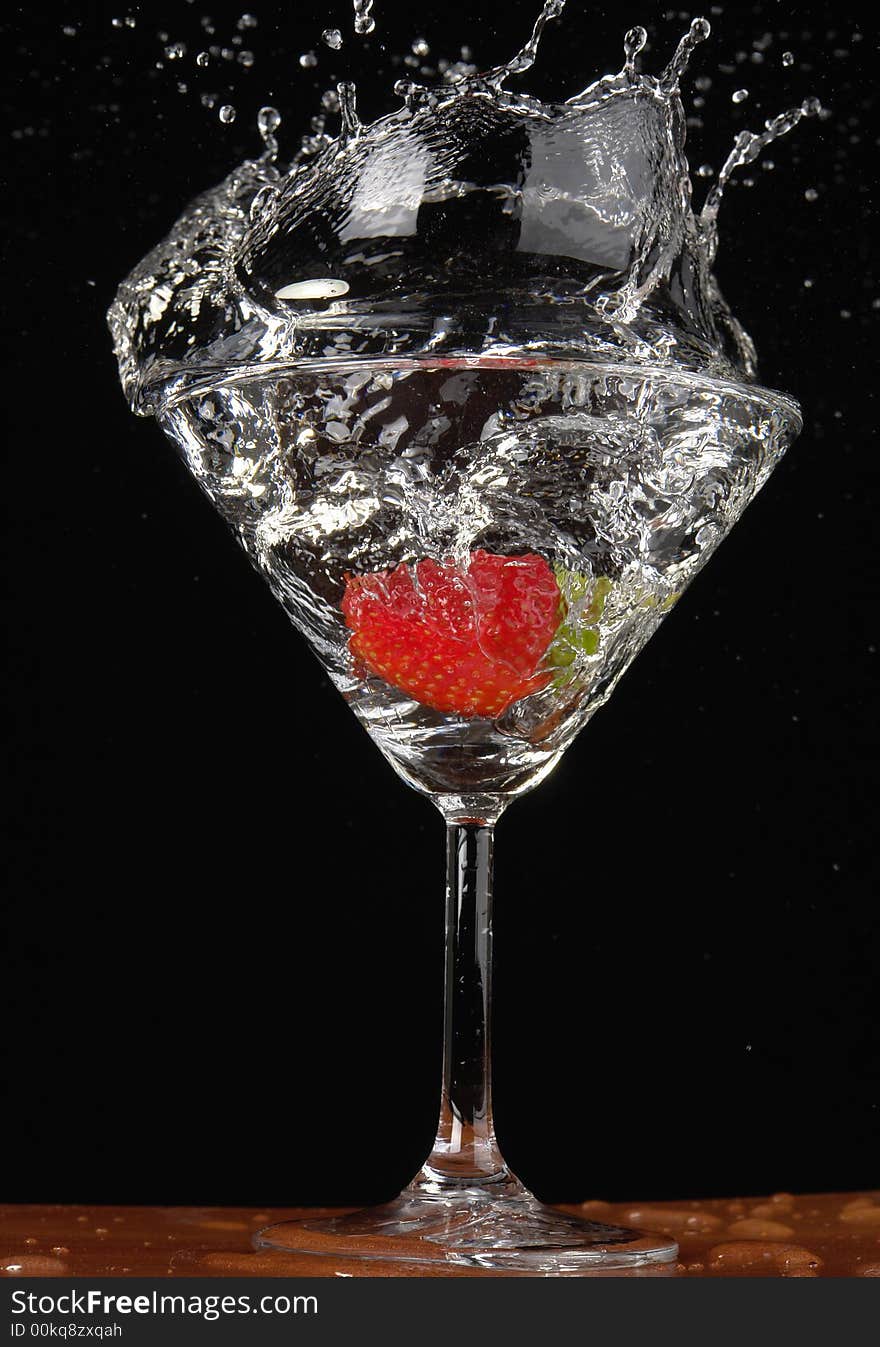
point(788, 58)
point(227, 114)
point(332, 38)
point(739, 95)
point(308, 60)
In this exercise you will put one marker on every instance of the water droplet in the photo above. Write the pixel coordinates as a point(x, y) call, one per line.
point(208, 100)
point(246, 59)
point(247, 21)
point(788, 58)
point(739, 95)
point(268, 120)
point(811, 194)
point(68, 30)
point(175, 51)
point(203, 59)
point(118, 23)
point(421, 48)
point(332, 37)
point(130, 21)
point(227, 114)
point(308, 60)
point(363, 20)
point(705, 171)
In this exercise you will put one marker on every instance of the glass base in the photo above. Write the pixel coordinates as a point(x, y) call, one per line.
point(472, 1229)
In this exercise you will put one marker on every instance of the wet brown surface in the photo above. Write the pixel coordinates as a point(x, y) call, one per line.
point(829, 1235)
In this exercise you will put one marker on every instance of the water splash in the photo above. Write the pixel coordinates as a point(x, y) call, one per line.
point(481, 323)
point(526, 56)
point(747, 147)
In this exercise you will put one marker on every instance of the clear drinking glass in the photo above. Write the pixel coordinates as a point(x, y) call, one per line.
point(469, 397)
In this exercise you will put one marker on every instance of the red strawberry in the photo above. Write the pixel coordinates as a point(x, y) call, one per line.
point(468, 639)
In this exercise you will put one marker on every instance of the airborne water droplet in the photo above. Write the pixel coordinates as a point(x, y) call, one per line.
point(739, 96)
point(332, 37)
point(203, 59)
point(363, 20)
point(308, 60)
point(268, 120)
point(788, 58)
point(227, 114)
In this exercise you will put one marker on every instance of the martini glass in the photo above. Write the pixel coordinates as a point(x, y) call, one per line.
point(468, 395)
point(573, 529)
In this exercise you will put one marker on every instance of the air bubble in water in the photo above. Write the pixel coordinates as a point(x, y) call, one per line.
point(739, 95)
point(227, 114)
point(332, 37)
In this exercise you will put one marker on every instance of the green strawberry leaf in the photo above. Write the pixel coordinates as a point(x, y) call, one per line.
point(584, 602)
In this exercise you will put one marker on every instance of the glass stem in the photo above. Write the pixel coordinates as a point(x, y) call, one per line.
point(465, 1156)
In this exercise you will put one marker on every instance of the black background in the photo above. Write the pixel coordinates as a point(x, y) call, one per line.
point(222, 975)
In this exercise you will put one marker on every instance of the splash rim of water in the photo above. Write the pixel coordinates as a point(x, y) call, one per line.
point(173, 388)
